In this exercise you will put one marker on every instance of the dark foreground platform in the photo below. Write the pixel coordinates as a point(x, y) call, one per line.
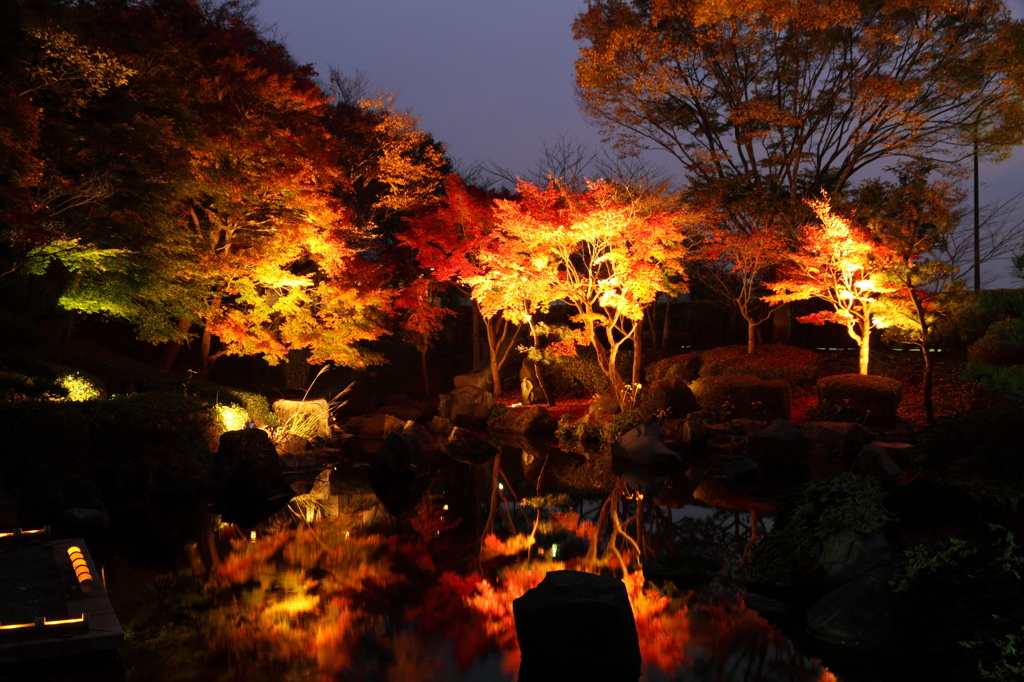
point(44, 612)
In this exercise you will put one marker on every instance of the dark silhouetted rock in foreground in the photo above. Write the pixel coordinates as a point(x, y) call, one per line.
point(577, 626)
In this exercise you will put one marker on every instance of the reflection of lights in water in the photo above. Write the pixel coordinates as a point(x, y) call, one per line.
point(554, 550)
point(445, 507)
point(252, 535)
point(501, 486)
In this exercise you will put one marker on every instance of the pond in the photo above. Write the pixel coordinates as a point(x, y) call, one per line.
point(338, 589)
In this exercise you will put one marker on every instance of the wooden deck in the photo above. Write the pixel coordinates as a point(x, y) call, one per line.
point(38, 586)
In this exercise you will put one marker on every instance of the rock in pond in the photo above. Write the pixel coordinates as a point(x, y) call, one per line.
point(643, 445)
point(577, 626)
point(534, 420)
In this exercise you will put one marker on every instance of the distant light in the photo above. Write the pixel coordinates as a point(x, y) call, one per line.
point(554, 550)
point(252, 535)
point(501, 486)
point(516, 405)
point(445, 508)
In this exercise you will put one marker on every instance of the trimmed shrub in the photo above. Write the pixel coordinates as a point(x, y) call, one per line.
point(686, 366)
point(863, 398)
point(774, 361)
point(1002, 345)
point(742, 396)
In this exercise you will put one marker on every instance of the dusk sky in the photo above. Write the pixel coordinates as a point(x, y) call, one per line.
point(492, 80)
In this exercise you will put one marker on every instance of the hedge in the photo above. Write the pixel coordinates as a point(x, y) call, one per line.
point(743, 396)
point(870, 400)
point(769, 362)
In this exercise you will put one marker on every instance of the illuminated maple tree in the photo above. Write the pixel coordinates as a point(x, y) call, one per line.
point(913, 217)
point(843, 265)
point(447, 241)
point(739, 265)
point(601, 251)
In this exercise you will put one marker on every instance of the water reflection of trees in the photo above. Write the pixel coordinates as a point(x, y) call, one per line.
point(433, 597)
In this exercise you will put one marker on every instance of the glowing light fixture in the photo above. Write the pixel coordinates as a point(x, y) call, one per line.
point(81, 567)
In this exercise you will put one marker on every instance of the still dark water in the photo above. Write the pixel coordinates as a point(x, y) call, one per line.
point(338, 589)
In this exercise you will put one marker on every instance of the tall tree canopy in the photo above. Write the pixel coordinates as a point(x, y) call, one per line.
point(173, 166)
point(766, 102)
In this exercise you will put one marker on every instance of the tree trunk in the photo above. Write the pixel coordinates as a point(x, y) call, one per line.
point(929, 411)
point(865, 350)
point(782, 331)
point(172, 348)
point(751, 337)
point(477, 359)
point(537, 370)
point(664, 329)
point(652, 323)
point(204, 354)
point(638, 350)
point(423, 367)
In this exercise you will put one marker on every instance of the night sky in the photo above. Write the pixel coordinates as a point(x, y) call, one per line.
point(492, 80)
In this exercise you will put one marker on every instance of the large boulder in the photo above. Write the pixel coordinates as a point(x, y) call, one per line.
point(875, 461)
point(483, 380)
point(778, 444)
point(251, 444)
point(900, 453)
point(644, 445)
point(311, 418)
point(255, 489)
point(836, 439)
point(535, 420)
point(529, 385)
point(667, 397)
point(466, 406)
point(847, 554)
point(856, 614)
point(378, 426)
point(577, 626)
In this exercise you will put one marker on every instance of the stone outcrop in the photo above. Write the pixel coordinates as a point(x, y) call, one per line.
point(315, 415)
point(466, 406)
point(535, 420)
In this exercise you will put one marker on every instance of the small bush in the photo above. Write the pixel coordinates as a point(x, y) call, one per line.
point(686, 366)
point(870, 400)
point(1002, 345)
point(821, 508)
point(770, 362)
point(580, 376)
point(742, 396)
